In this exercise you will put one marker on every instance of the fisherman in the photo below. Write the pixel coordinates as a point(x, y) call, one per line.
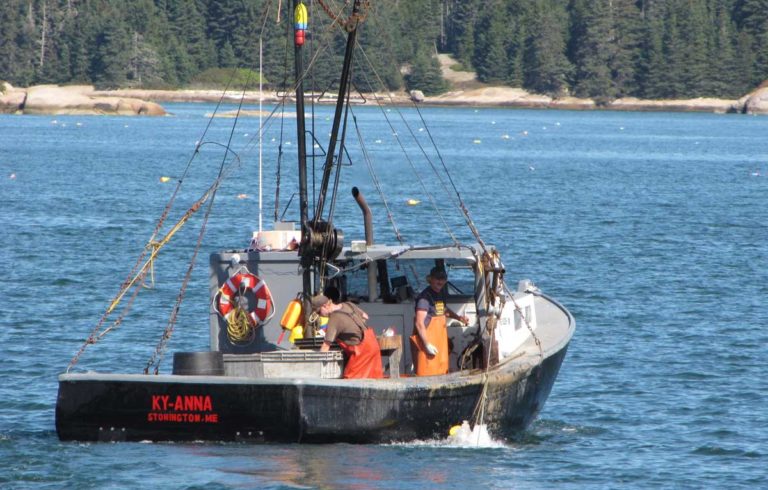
point(347, 326)
point(429, 342)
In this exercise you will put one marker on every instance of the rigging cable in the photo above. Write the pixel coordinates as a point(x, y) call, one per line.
point(157, 356)
point(461, 204)
point(375, 179)
point(405, 153)
point(137, 275)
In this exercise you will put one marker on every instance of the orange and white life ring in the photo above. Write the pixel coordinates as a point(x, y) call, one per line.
point(244, 281)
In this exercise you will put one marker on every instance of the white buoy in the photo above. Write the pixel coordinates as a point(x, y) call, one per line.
point(463, 435)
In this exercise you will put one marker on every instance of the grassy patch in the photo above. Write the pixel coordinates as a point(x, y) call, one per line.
point(460, 67)
point(219, 78)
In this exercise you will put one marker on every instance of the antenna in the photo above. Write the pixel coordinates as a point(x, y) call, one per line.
point(261, 130)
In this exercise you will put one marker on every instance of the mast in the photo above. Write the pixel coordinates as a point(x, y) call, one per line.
point(320, 241)
point(300, 26)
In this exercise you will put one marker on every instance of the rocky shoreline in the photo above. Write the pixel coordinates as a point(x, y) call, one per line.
point(72, 100)
point(84, 99)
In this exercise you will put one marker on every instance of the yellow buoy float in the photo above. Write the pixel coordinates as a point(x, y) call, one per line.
point(164, 179)
point(413, 202)
point(297, 333)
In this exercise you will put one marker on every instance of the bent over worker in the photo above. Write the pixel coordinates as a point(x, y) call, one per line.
point(429, 342)
point(347, 326)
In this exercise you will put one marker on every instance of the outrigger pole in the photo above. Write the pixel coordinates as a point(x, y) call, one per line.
point(343, 84)
point(299, 28)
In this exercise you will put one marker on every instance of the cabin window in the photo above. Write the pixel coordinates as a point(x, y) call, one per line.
point(461, 278)
point(522, 319)
point(413, 274)
point(357, 283)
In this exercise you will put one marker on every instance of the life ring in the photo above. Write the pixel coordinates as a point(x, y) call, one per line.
point(246, 281)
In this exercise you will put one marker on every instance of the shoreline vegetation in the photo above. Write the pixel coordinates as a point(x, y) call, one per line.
point(464, 91)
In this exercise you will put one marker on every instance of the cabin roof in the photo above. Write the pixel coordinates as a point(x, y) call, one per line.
point(376, 252)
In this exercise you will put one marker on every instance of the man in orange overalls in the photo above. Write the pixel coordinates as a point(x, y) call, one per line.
point(429, 341)
point(347, 327)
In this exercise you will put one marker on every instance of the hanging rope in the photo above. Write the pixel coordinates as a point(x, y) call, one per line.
point(157, 357)
point(350, 23)
point(239, 329)
point(138, 272)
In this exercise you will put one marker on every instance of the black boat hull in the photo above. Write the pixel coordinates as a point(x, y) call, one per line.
point(103, 407)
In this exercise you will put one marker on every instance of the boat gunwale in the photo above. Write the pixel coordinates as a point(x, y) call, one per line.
point(524, 362)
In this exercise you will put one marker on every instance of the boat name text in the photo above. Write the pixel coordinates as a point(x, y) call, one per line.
point(182, 408)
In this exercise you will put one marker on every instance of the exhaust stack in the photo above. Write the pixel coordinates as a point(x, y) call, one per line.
point(368, 221)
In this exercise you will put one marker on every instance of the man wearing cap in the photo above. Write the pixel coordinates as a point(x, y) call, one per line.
point(346, 326)
point(429, 341)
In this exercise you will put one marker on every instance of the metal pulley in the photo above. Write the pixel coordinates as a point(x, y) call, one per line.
point(323, 241)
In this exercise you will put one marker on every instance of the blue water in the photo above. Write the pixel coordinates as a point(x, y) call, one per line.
point(651, 228)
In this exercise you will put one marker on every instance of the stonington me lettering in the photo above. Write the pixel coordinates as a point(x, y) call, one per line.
point(182, 409)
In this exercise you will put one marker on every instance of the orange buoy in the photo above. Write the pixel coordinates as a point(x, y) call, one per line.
point(291, 315)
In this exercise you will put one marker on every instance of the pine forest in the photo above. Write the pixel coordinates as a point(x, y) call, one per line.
point(601, 49)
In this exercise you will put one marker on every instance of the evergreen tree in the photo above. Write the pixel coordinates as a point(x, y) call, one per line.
point(426, 75)
point(110, 65)
point(461, 29)
point(22, 32)
point(546, 67)
point(80, 37)
point(627, 36)
point(600, 48)
point(692, 24)
point(752, 16)
point(592, 46)
point(376, 68)
point(724, 77)
point(491, 58)
point(654, 75)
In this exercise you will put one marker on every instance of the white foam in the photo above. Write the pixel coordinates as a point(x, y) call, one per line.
point(464, 437)
point(477, 437)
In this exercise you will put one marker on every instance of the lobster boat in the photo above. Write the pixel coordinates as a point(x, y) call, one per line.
point(264, 377)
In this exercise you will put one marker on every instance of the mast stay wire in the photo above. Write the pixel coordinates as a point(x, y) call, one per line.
point(458, 200)
point(396, 134)
point(137, 275)
point(461, 205)
point(337, 177)
point(375, 179)
point(157, 356)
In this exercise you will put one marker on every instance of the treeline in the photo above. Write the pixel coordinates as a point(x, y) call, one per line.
point(588, 48)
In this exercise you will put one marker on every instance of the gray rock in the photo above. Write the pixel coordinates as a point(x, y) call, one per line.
point(756, 102)
point(417, 96)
